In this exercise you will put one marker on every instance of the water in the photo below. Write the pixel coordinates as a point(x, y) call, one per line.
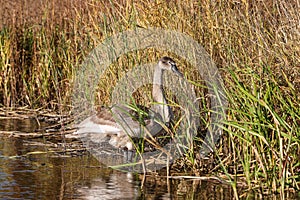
point(40, 168)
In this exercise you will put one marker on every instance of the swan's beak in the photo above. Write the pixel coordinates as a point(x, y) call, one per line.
point(176, 71)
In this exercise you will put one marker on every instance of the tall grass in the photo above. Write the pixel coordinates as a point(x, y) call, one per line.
point(256, 46)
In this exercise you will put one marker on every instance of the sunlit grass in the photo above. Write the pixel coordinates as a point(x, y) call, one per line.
point(256, 46)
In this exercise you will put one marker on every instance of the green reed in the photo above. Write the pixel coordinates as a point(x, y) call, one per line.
point(254, 44)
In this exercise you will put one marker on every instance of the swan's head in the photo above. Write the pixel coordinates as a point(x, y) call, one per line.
point(167, 63)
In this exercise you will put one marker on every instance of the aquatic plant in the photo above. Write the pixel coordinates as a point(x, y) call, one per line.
point(254, 44)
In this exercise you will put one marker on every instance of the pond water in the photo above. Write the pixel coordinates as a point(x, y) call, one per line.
point(50, 176)
point(40, 168)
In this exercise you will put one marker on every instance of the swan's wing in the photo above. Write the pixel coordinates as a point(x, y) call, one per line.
point(94, 124)
point(136, 126)
point(114, 125)
point(97, 126)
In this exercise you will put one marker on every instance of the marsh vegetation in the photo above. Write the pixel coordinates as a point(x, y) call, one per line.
point(255, 45)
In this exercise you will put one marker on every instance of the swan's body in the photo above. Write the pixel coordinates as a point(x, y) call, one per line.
point(117, 125)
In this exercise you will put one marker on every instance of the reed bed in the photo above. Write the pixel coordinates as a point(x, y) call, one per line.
point(256, 46)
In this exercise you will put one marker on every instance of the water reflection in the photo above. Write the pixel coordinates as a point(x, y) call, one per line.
point(23, 125)
point(49, 175)
point(116, 186)
point(29, 171)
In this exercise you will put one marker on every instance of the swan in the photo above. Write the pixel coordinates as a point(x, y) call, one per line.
point(117, 125)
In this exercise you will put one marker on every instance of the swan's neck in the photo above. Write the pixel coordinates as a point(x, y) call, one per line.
point(158, 95)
